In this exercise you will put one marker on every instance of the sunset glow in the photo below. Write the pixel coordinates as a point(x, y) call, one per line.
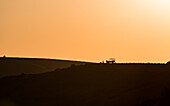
point(161, 2)
point(92, 30)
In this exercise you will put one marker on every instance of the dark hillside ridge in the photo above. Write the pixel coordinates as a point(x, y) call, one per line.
point(21, 58)
point(10, 66)
point(90, 85)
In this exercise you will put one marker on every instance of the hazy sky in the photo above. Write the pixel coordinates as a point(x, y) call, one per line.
point(93, 30)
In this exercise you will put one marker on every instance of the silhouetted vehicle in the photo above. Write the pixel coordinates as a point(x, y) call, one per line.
point(110, 61)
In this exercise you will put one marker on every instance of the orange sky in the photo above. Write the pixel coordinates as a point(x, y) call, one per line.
point(92, 30)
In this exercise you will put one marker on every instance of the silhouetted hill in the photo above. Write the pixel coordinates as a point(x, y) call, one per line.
point(14, 66)
point(90, 85)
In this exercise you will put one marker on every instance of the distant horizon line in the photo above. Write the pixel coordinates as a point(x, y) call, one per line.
point(43, 58)
point(87, 61)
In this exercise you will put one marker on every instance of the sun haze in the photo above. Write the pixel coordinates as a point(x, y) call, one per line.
point(93, 30)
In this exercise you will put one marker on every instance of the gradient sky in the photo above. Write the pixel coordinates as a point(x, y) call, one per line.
point(92, 30)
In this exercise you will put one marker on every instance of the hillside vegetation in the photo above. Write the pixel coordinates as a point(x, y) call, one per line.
point(16, 66)
point(90, 85)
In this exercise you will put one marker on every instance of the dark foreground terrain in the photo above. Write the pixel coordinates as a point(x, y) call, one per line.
point(10, 66)
point(90, 85)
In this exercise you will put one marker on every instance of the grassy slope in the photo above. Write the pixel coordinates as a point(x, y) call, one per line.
point(16, 66)
point(89, 85)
